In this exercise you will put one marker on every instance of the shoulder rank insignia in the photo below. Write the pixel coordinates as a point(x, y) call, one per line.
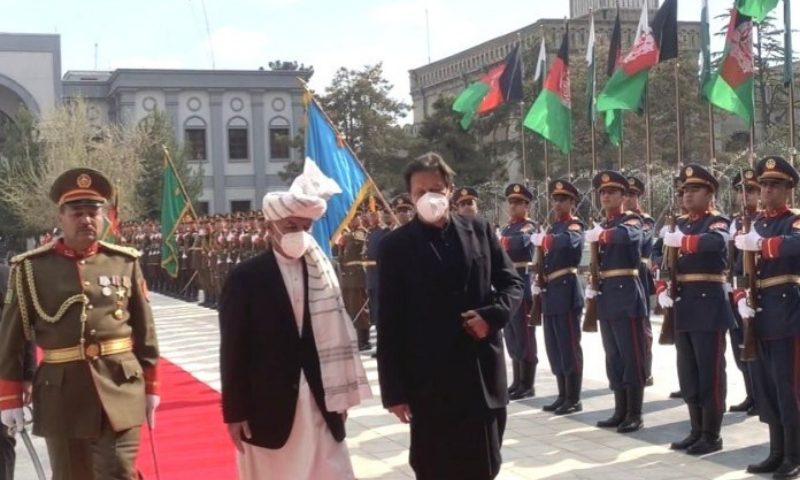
point(131, 252)
point(34, 253)
point(575, 227)
point(795, 211)
point(633, 222)
point(718, 226)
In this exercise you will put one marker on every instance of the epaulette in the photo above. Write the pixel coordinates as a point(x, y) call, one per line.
point(795, 211)
point(34, 253)
point(716, 213)
point(681, 217)
point(131, 252)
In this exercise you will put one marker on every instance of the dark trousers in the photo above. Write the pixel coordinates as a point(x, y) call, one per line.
point(354, 299)
point(112, 456)
point(7, 454)
point(701, 369)
point(562, 341)
point(776, 381)
point(373, 305)
point(625, 345)
point(520, 336)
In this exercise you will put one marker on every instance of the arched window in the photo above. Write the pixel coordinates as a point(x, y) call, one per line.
point(280, 138)
point(238, 144)
point(194, 135)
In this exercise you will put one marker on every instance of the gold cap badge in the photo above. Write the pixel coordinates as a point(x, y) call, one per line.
point(748, 174)
point(689, 171)
point(559, 186)
point(464, 191)
point(605, 178)
point(771, 164)
point(84, 181)
point(516, 189)
point(631, 182)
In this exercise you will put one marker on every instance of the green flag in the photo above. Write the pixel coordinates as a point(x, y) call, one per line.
point(757, 9)
point(614, 126)
point(175, 206)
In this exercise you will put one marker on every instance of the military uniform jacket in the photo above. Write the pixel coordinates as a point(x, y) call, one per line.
point(51, 291)
point(779, 306)
point(515, 238)
point(648, 232)
point(351, 258)
point(703, 306)
point(621, 298)
point(374, 237)
point(563, 247)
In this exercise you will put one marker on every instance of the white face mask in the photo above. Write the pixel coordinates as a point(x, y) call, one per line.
point(432, 207)
point(295, 244)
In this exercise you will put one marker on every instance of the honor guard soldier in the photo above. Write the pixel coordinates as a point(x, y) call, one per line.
point(562, 297)
point(465, 200)
point(520, 335)
point(85, 304)
point(748, 194)
point(775, 237)
point(633, 203)
point(403, 209)
point(702, 310)
point(375, 235)
point(621, 308)
point(352, 248)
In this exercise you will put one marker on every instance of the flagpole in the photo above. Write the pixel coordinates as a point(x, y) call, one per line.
point(679, 122)
point(546, 163)
point(620, 148)
point(522, 115)
point(180, 182)
point(648, 148)
point(569, 165)
point(792, 123)
point(592, 106)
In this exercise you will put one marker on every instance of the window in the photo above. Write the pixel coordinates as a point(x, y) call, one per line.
point(238, 206)
point(279, 142)
point(237, 139)
point(196, 140)
point(202, 208)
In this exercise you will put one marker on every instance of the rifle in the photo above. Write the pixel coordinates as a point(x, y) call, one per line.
point(538, 276)
point(670, 259)
point(590, 316)
point(749, 347)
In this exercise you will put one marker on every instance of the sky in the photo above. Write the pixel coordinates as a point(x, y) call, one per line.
point(247, 34)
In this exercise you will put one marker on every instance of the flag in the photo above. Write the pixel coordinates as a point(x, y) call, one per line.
point(705, 48)
point(614, 126)
point(731, 87)
point(756, 9)
point(175, 208)
point(110, 231)
point(590, 74)
point(788, 53)
point(337, 161)
point(613, 121)
point(551, 114)
point(502, 84)
point(654, 44)
point(541, 65)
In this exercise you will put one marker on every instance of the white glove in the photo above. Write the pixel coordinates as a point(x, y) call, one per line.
point(153, 401)
point(744, 309)
point(664, 300)
point(673, 239)
point(664, 230)
point(535, 289)
point(728, 288)
point(589, 293)
point(537, 239)
point(733, 230)
point(593, 235)
point(13, 419)
point(749, 242)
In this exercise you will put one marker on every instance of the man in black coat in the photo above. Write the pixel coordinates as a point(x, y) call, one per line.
point(447, 290)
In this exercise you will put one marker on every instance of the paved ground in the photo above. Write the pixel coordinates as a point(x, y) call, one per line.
point(537, 445)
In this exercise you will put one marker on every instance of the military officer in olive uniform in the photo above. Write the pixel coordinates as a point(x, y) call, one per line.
point(85, 304)
point(702, 309)
point(465, 200)
point(775, 237)
point(403, 209)
point(520, 335)
point(562, 297)
point(621, 308)
point(352, 249)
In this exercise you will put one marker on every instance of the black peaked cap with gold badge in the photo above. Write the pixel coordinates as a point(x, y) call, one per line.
point(518, 190)
point(694, 174)
point(402, 201)
point(776, 168)
point(635, 186)
point(562, 187)
point(610, 179)
point(464, 193)
point(750, 179)
point(81, 187)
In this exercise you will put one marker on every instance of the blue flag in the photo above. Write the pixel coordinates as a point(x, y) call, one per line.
point(328, 150)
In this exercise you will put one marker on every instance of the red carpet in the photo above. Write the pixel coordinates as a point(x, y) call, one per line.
point(190, 439)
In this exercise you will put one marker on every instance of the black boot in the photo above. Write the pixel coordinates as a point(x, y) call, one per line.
point(676, 394)
point(790, 468)
point(572, 402)
point(696, 422)
point(363, 340)
point(561, 381)
point(633, 420)
point(620, 408)
point(748, 402)
point(515, 377)
point(527, 372)
point(710, 441)
point(776, 452)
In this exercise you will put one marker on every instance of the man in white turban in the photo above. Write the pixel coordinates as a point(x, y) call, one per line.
point(289, 362)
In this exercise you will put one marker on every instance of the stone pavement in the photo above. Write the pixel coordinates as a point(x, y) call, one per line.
point(537, 445)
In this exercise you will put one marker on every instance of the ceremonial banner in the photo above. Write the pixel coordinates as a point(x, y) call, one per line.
point(175, 206)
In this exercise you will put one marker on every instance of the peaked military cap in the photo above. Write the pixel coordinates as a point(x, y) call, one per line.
point(635, 186)
point(776, 168)
point(464, 193)
point(402, 201)
point(562, 187)
point(750, 179)
point(694, 174)
point(610, 179)
point(518, 190)
point(81, 187)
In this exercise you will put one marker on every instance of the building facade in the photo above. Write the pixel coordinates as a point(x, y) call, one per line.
point(579, 8)
point(239, 124)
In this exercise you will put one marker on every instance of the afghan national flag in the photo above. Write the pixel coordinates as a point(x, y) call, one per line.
point(502, 84)
point(756, 9)
point(654, 44)
point(613, 121)
point(591, 75)
point(731, 88)
point(551, 114)
point(175, 208)
point(705, 48)
point(788, 53)
point(111, 222)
